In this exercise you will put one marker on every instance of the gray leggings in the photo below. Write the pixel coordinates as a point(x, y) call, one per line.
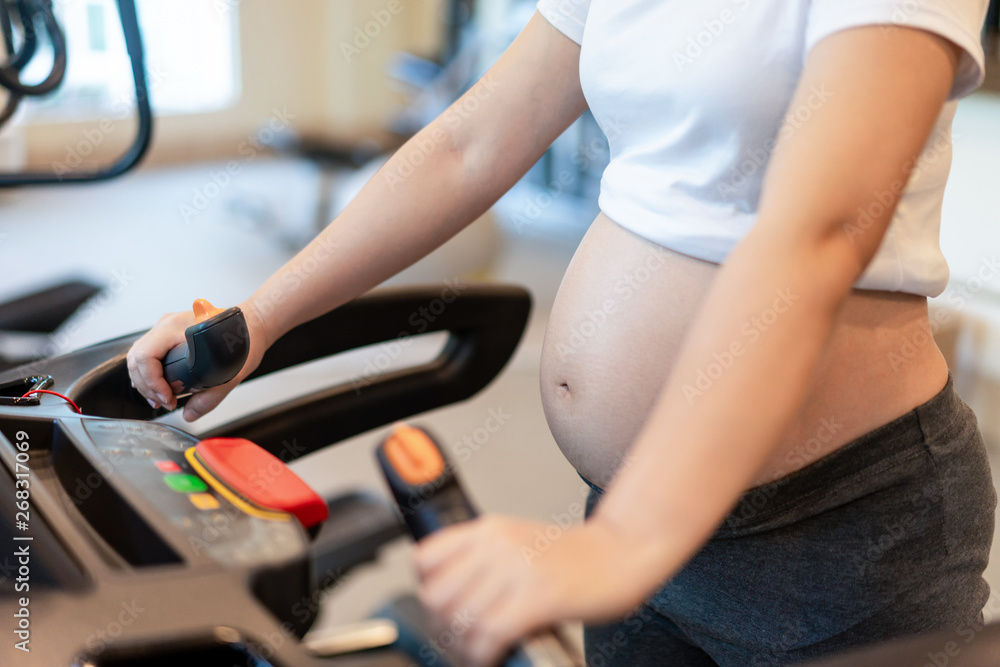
point(886, 537)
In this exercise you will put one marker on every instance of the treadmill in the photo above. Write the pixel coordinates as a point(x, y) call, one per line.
point(106, 565)
point(116, 553)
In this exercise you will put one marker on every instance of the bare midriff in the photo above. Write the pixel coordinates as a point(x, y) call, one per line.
point(618, 324)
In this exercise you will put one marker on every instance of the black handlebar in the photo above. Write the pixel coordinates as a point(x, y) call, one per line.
point(212, 355)
point(484, 323)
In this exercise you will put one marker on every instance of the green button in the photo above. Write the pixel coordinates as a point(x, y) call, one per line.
point(185, 483)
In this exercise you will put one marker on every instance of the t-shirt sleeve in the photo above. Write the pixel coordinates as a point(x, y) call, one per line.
point(960, 21)
point(566, 16)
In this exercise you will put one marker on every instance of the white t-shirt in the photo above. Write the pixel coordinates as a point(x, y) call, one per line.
point(692, 96)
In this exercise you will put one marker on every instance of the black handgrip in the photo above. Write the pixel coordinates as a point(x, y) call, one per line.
point(429, 502)
point(213, 354)
point(429, 506)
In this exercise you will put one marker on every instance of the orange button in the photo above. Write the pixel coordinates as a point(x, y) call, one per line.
point(204, 501)
point(204, 310)
point(414, 455)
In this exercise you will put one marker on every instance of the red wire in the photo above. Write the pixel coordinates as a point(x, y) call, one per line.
point(55, 393)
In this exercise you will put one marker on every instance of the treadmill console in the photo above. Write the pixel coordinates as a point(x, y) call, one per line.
point(149, 459)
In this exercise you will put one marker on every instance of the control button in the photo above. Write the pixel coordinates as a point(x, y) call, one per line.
point(204, 501)
point(166, 466)
point(204, 310)
point(185, 483)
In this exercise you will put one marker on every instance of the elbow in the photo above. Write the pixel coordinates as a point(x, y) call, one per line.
point(829, 257)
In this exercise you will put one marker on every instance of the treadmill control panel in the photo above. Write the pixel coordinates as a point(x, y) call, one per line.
point(150, 458)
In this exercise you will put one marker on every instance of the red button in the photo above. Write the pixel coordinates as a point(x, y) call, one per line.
point(167, 466)
point(261, 477)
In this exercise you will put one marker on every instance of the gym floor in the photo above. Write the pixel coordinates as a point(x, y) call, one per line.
point(132, 235)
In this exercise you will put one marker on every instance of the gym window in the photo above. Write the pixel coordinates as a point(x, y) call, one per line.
point(192, 60)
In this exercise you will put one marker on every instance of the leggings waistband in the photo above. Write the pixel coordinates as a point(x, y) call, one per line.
point(881, 449)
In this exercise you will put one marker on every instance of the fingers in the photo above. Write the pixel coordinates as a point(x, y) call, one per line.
point(437, 549)
point(146, 374)
point(145, 358)
point(493, 636)
point(471, 577)
point(203, 402)
point(465, 593)
point(451, 587)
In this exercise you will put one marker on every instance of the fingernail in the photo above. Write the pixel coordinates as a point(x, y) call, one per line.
point(191, 414)
point(151, 403)
point(163, 399)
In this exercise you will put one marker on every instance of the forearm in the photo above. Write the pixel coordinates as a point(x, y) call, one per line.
point(770, 311)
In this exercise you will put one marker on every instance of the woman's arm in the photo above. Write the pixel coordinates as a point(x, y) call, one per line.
point(873, 97)
point(435, 185)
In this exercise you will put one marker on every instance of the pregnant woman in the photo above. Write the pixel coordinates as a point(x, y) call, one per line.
point(780, 465)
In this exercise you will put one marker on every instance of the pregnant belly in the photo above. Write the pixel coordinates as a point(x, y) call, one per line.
point(618, 325)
